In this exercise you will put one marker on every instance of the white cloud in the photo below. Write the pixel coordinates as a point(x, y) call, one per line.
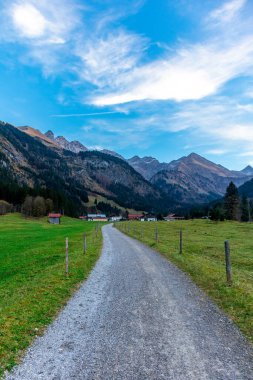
point(46, 31)
point(216, 152)
point(112, 60)
point(28, 20)
point(40, 22)
point(85, 114)
point(246, 107)
point(193, 73)
point(227, 11)
point(246, 154)
point(236, 133)
point(106, 59)
point(217, 124)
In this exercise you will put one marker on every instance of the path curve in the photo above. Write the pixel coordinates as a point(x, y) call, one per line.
point(137, 317)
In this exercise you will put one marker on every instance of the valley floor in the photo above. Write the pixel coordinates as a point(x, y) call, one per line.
point(138, 317)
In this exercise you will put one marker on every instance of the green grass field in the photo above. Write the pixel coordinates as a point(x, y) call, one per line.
point(203, 259)
point(33, 285)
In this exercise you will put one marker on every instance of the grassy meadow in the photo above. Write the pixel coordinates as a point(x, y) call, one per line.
point(33, 285)
point(203, 259)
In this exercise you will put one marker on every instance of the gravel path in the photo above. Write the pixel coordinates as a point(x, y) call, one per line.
point(137, 317)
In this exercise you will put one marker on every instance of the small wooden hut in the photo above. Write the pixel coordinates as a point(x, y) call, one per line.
point(54, 218)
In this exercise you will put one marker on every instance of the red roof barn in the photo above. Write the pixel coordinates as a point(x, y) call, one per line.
point(54, 218)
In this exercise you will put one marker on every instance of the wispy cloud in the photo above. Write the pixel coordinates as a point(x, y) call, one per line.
point(115, 62)
point(107, 60)
point(180, 89)
point(193, 73)
point(216, 152)
point(218, 123)
point(227, 11)
point(86, 114)
point(246, 154)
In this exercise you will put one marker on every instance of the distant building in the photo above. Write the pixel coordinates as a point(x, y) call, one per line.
point(115, 218)
point(151, 219)
point(135, 216)
point(172, 217)
point(97, 218)
point(83, 217)
point(54, 218)
point(148, 218)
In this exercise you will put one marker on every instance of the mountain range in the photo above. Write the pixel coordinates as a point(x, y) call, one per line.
point(191, 179)
point(33, 160)
point(36, 160)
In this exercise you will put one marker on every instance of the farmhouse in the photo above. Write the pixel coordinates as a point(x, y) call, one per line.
point(135, 216)
point(54, 218)
point(115, 218)
point(97, 218)
point(148, 218)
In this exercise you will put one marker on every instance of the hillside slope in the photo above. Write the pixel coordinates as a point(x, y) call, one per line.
point(26, 161)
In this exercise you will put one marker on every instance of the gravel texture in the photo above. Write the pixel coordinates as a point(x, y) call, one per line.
point(137, 317)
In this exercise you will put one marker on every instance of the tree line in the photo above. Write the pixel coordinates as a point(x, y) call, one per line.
point(232, 206)
point(36, 206)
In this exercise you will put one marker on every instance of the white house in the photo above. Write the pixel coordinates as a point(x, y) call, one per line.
point(115, 218)
point(97, 218)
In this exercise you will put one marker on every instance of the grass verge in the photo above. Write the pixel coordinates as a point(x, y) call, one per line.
point(33, 285)
point(203, 259)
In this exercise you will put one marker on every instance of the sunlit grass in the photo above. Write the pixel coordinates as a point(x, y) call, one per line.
point(33, 285)
point(203, 259)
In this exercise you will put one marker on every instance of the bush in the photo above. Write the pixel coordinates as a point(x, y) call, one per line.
point(5, 207)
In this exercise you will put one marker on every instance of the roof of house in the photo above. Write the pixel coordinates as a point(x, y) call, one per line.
point(96, 216)
point(54, 215)
point(170, 216)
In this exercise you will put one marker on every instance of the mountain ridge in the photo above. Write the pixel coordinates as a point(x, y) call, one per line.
point(188, 180)
point(30, 162)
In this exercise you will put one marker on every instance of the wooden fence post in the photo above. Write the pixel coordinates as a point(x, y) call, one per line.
point(84, 243)
point(67, 257)
point(228, 262)
point(156, 234)
point(181, 242)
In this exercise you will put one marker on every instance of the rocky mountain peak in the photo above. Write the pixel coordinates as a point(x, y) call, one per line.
point(248, 170)
point(195, 156)
point(147, 166)
point(73, 146)
point(50, 135)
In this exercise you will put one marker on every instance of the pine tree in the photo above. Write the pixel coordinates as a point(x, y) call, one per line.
point(232, 203)
point(245, 209)
point(217, 213)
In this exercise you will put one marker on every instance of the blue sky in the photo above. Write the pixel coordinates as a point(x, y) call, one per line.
point(162, 78)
